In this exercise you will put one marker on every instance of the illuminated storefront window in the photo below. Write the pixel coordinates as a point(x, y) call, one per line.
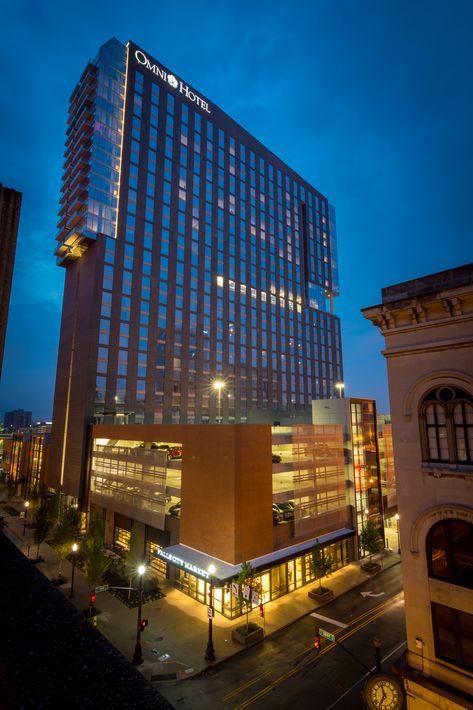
point(272, 583)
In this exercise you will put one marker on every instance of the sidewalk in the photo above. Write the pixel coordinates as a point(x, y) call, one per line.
point(175, 640)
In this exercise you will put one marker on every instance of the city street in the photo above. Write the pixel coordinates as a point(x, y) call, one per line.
point(286, 671)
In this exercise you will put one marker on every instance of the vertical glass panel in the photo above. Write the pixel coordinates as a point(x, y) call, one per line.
point(462, 552)
point(465, 623)
point(438, 551)
point(444, 627)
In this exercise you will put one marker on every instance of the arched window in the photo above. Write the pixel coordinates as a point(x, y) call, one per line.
point(446, 422)
point(450, 552)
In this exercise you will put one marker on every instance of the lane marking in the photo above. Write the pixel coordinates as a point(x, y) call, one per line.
point(330, 621)
point(246, 685)
point(277, 681)
point(303, 654)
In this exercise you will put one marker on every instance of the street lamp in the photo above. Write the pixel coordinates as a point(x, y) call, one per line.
point(137, 655)
point(218, 386)
point(377, 650)
point(209, 651)
point(398, 539)
point(340, 386)
point(27, 504)
point(75, 547)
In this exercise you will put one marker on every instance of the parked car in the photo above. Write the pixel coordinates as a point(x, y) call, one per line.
point(277, 514)
point(276, 458)
point(287, 509)
point(173, 452)
point(175, 509)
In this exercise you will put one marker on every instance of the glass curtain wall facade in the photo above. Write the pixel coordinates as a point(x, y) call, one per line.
point(368, 500)
point(217, 260)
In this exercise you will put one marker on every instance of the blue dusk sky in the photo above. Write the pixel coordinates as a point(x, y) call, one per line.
point(370, 101)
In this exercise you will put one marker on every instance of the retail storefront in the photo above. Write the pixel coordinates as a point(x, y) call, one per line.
point(276, 574)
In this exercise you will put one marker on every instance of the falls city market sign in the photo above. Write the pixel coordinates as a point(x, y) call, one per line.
point(141, 58)
point(178, 562)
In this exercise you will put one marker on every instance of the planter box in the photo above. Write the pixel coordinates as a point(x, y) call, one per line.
point(250, 639)
point(370, 568)
point(326, 596)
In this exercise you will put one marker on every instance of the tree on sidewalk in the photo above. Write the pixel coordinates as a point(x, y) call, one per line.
point(246, 585)
point(42, 525)
point(322, 565)
point(96, 562)
point(370, 539)
point(66, 531)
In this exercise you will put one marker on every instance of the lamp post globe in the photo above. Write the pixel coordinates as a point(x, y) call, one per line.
point(27, 505)
point(218, 386)
point(75, 547)
point(137, 655)
point(210, 651)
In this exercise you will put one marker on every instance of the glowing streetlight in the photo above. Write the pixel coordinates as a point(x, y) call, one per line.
point(340, 386)
point(396, 517)
point(27, 505)
point(75, 547)
point(209, 651)
point(137, 655)
point(218, 386)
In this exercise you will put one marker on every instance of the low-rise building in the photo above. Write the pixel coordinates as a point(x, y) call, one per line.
point(428, 328)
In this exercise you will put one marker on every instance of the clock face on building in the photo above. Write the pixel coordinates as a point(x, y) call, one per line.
point(383, 692)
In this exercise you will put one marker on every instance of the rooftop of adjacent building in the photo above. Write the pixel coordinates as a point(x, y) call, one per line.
point(427, 285)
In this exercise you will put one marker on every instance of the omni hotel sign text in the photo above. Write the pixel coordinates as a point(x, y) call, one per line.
point(141, 58)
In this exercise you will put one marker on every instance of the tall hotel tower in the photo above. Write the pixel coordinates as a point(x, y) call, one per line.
point(10, 205)
point(191, 253)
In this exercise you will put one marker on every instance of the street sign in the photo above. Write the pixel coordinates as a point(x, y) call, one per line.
point(210, 612)
point(246, 592)
point(255, 598)
point(326, 634)
point(103, 588)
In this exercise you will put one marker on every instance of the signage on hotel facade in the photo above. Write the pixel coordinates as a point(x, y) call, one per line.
point(175, 83)
point(178, 562)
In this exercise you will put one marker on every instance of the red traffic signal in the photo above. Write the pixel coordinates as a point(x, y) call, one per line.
point(261, 610)
point(316, 641)
point(92, 599)
point(142, 624)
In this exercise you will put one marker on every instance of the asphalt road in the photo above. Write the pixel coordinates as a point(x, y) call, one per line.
point(286, 672)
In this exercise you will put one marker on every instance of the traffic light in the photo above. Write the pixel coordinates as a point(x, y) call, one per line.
point(317, 640)
point(92, 599)
point(261, 610)
point(142, 624)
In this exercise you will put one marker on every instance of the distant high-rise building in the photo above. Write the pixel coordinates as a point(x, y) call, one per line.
point(10, 204)
point(200, 269)
point(17, 419)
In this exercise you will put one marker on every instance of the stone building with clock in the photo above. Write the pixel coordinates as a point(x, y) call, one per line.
point(427, 324)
